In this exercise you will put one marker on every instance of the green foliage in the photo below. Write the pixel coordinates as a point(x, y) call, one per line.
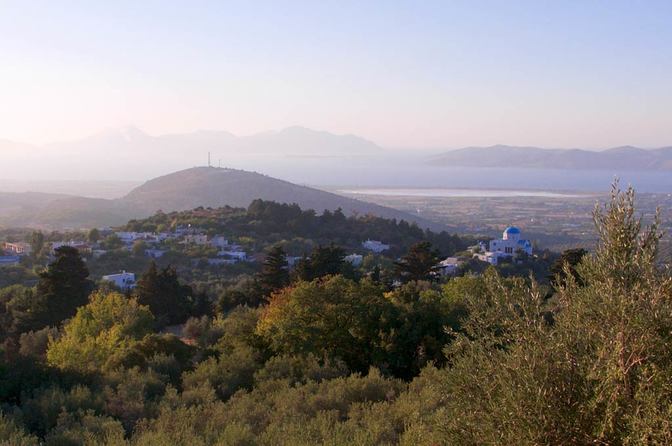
point(335, 317)
point(169, 300)
point(34, 343)
point(13, 435)
point(275, 272)
point(419, 263)
point(109, 324)
point(323, 261)
point(484, 359)
point(87, 429)
point(93, 236)
point(225, 374)
point(570, 258)
point(62, 288)
point(599, 373)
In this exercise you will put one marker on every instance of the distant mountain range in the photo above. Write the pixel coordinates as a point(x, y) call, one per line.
point(619, 158)
point(130, 153)
point(183, 190)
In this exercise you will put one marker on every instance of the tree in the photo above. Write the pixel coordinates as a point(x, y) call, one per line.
point(598, 374)
point(570, 258)
point(110, 324)
point(36, 243)
point(112, 241)
point(323, 261)
point(331, 317)
point(62, 288)
point(275, 271)
point(161, 290)
point(420, 263)
point(94, 235)
point(138, 249)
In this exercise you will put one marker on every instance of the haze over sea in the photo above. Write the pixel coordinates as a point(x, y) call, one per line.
point(353, 174)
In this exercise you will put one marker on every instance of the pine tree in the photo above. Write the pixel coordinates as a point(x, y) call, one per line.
point(62, 288)
point(168, 300)
point(275, 272)
point(420, 263)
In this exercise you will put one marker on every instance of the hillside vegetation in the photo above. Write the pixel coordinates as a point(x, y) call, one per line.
point(340, 361)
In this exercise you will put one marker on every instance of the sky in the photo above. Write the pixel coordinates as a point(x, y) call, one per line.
point(416, 74)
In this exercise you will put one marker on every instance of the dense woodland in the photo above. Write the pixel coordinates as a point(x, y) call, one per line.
point(326, 354)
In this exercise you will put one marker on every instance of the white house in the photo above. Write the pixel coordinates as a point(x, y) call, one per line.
point(18, 248)
point(508, 246)
point(124, 281)
point(79, 245)
point(354, 259)
point(293, 260)
point(239, 256)
point(196, 239)
point(449, 266)
point(219, 241)
point(375, 246)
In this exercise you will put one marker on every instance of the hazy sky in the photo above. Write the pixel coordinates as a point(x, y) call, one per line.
point(415, 74)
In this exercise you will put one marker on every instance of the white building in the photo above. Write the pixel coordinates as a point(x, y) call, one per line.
point(196, 239)
point(130, 237)
point(18, 248)
point(354, 259)
point(124, 281)
point(509, 246)
point(375, 246)
point(449, 266)
point(219, 241)
point(239, 256)
point(79, 245)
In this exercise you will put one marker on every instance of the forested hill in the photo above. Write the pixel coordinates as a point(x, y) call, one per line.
point(268, 222)
point(215, 187)
point(186, 189)
point(623, 158)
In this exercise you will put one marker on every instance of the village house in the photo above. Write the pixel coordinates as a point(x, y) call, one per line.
point(237, 255)
point(354, 259)
point(124, 281)
point(18, 248)
point(196, 239)
point(80, 246)
point(449, 266)
point(375, 246)
point(219, 241)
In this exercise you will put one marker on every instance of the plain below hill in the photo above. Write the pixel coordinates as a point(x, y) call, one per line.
point(183, 190)
point(620, 158)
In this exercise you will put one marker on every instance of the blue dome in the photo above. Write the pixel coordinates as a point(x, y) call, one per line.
point(512, 230)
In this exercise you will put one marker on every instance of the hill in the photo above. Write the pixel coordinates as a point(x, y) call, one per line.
point(622, 158)
point(183, 190)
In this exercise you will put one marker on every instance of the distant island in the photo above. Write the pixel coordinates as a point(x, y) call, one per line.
point(621, 158)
